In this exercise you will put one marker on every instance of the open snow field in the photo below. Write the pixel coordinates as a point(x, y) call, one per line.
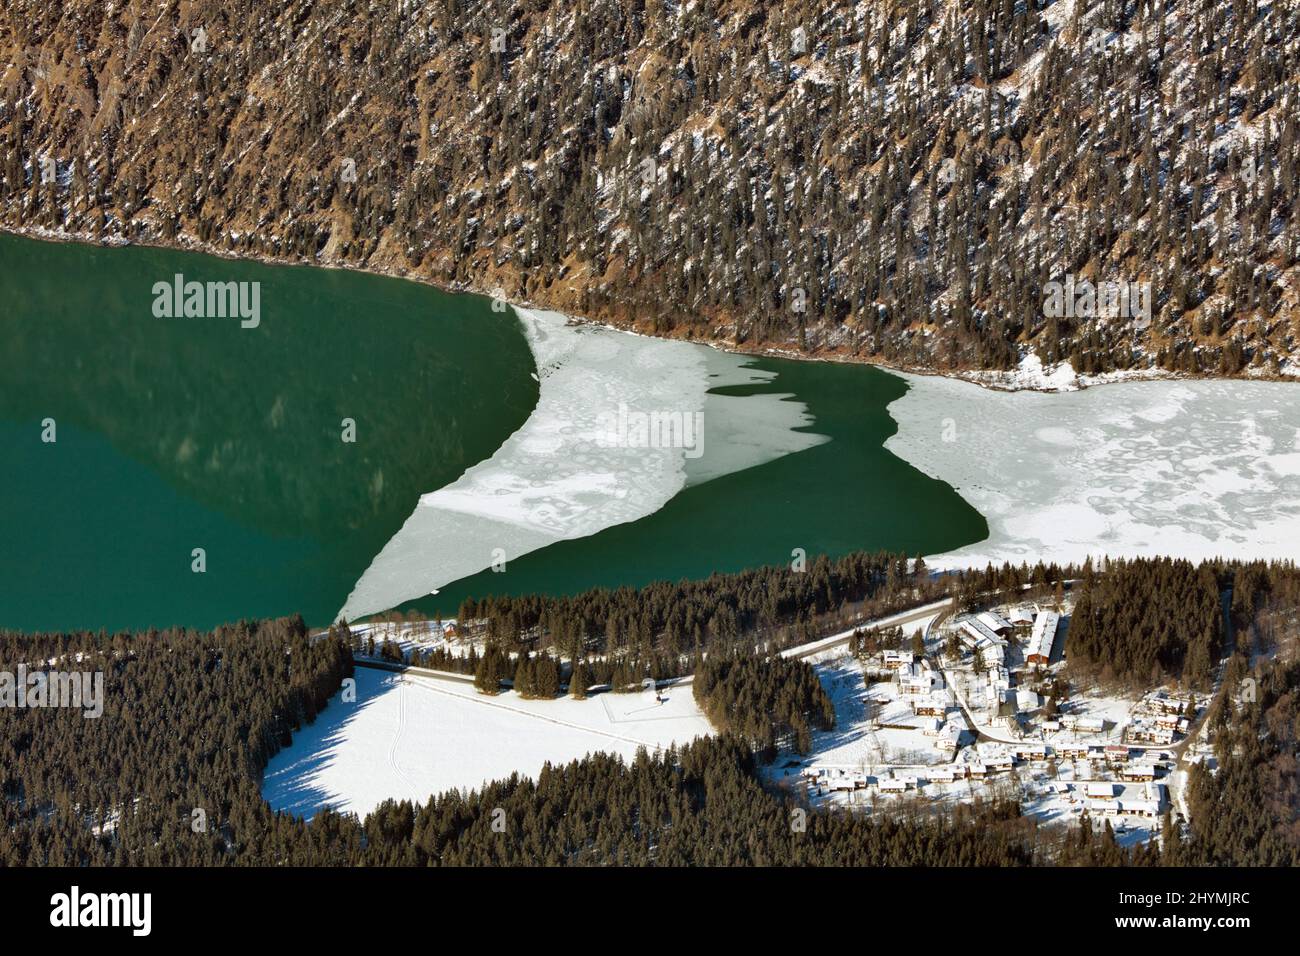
point(408, 737)
point(1192, 469)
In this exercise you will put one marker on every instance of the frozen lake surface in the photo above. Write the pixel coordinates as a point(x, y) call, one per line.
point(1193, 469)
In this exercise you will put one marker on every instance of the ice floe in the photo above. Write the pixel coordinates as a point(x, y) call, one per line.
point(561, 476)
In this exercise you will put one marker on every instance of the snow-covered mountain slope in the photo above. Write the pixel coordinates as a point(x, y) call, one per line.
point(903, 180)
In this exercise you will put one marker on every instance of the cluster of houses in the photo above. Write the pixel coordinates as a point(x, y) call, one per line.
point(1161, 718)
point(1144, 731)
point(1116, 757)
point(946, 734)
point(985, 634)
point(918, 679)
point(843, 780)
point(1112, 780)
point(922, 686)
point(1079, 723)
point(1150, 800)
point(837, 780)
point(986, 760)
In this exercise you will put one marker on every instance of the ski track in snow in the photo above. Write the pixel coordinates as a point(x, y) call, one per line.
point(400, 693)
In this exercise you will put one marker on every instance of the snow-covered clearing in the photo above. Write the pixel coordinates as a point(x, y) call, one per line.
point(859, 742)
point(409, 737)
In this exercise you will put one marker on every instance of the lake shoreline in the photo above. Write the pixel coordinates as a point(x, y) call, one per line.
point(984, 378)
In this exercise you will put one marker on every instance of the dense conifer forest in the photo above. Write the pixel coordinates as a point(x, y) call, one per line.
point(769, 702)
point(1247, 812)
point(767, 603)
point(170, 774)
point(1144, 621)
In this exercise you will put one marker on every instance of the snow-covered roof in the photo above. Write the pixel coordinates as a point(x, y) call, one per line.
point(1139, 770)
point(1147, 807)
point(1044, 635)
point(994, 622)
point(980, 632)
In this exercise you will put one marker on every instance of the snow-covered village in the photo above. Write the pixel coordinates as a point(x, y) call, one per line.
point(974, 705)
point(934, 707)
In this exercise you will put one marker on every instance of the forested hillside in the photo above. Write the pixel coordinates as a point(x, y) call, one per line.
point(1145, 621)
point(901, 180)
point(1247, 810)
point(170, 773)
